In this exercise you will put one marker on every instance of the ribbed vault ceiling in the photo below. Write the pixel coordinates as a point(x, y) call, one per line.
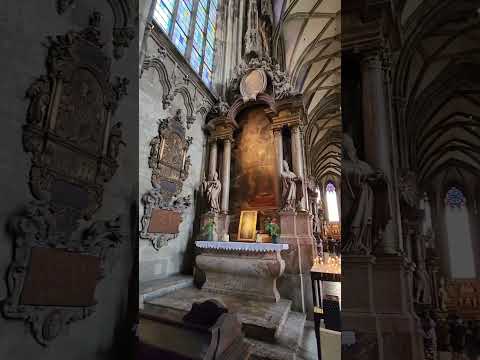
point(307, 38)
point(439, 80)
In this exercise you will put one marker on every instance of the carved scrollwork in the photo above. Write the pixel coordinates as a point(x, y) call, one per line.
point(160, 199)
point(170, 166)
point(74, 149)
point(123, 32)
point(69, 118)
point(280, 84)
point(37, 228)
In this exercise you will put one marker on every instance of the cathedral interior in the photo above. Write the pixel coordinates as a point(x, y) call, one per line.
point(301, 182)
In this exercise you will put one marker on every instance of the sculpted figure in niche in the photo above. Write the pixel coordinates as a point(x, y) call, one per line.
point(212, 190)
point(115, 141)
point(364, 201)
point(39, 93)
point(266, 19)
point(442, 295)
point(289, 187)
point(422, 292)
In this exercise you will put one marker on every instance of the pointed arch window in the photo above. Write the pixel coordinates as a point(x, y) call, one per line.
point(462, 265)
point(191, 26)
point(332, 204)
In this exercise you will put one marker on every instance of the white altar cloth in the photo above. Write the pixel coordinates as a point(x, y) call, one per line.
point(241, 246)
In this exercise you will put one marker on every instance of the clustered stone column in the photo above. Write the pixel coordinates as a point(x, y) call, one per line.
point(297, 159)
point(277, 134)
point(376, 129)
point(227, 149)
point(296, 226)
point(213, 158)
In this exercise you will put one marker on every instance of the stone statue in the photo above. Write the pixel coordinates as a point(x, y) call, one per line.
point(422, 292)
point(442, 295)
point(39, 93)
point(289, 187)
point(317, 226)
point(253, 40)
point(266, 20)
point(429, 337)
point(212, 190)
point(365, 204)
point(115, 141)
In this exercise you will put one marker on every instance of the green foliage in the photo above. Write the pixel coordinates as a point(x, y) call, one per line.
point(272, 229)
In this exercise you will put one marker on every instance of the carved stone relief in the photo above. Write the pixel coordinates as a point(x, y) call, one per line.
point(123, 27)
point(170, 166)
point(74, 148)
point(278, 80)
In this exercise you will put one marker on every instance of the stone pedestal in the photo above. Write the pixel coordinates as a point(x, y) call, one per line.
point(398, 323)
point(295, 284)
point(247, 270)
point(358, 308)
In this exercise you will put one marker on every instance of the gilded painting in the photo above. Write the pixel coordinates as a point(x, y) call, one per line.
point(247, 229)
point(254, 183)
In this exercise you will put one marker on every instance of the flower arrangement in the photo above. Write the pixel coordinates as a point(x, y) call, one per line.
point(273, 230)
point(208, 229)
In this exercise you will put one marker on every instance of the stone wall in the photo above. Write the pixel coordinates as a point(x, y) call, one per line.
point(25, 26)
point(167, 76)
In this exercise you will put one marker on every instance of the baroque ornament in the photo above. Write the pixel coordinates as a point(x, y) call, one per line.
point(74, 147)
point(279, 80)
point(170, 166)
point(123, 31)
point(36, 229)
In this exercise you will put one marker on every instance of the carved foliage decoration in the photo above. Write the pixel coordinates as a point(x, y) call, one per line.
point(37, 230)
point(278, 81)
point(123, 29)
point(74, 149)
point(170, 166)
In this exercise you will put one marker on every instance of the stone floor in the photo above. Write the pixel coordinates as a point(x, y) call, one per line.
point(272, 329)
point(256, 316)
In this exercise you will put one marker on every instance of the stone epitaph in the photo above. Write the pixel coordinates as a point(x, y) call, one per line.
point(170, 166)
point(74, 144)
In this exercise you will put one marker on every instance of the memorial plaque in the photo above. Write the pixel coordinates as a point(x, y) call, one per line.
point(164, 222)
point(60, 278)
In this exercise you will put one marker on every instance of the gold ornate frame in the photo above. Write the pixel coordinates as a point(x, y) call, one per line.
point(243, 224)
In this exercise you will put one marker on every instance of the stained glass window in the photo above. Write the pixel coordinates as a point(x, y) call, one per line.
point(460, 249)
point(332, 205)
point(455, 198)
point(191, 26)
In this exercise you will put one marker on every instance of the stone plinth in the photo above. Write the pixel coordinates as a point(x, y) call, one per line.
point(247, 270)
point(295, 283)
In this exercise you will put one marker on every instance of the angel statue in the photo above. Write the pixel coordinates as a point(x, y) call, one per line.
point(212, 190)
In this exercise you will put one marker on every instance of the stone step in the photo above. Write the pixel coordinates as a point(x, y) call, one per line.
point(288, 342)
point(260, 320)
point(159, 287)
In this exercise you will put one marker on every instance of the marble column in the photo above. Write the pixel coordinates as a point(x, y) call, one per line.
point(277, 134)
point(297, 158)
point(227, 149)
point(213, 159)
point(376, 132)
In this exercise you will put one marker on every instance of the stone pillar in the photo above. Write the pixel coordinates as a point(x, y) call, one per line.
point(297, 159)
point(376, 131)
point(227, 149)
point(213, 159)
point(277, 134)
